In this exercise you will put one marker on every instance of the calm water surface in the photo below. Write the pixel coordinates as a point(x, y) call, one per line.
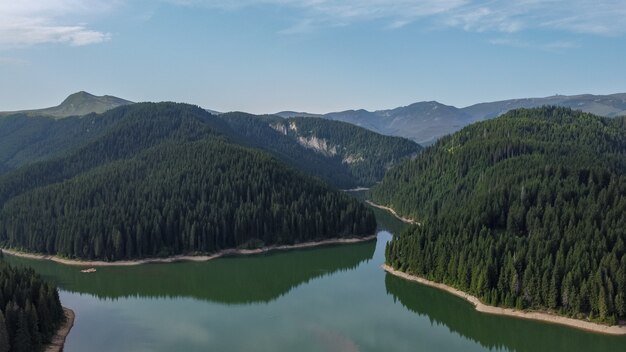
point(334, 298)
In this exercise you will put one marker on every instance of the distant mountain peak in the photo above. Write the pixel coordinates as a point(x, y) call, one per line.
point(77, 104)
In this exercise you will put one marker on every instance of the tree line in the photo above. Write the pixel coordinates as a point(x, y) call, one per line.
point(30, 310)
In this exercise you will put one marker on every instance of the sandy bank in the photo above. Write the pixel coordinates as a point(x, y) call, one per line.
point(393, 212)
point(58, 340)
point(192, 258)
point(545, 317)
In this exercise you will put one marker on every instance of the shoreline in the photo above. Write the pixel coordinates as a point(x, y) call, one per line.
point(187, 258)
point(393, 212)
point(616, 330)
point(58, 340)
point(358, 189)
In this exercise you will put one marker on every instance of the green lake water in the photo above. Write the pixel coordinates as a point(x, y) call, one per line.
point(333, 298)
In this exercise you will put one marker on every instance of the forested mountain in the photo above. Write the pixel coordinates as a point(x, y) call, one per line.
point(30, 310)
point(122, 133)
point(167, 179)
point(26, 139)
point(77, 104)
point(257, 132)
point(526, 210)
point(340, 153)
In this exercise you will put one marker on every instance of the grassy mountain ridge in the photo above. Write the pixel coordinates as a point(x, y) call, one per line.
point(77, 104)
point(525, 210)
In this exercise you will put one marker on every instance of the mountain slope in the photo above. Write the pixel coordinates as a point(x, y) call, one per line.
point(25, 139)
point(118, 134)
point(525, 210)
point(77, 104)
point(366, 155)
point(168, 179)
point(341, 154)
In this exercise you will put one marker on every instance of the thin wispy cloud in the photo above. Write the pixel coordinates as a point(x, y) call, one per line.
point(547, 46)
point(600, 17)
point(30, 22)
point(13, 61)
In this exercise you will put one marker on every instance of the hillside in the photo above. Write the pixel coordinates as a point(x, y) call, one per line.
point(26, 139)
point(77, 104)
point(342, 154)
point(525, 210)
point(167, 180)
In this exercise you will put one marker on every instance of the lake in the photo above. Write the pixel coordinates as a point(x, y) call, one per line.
point(333, 298)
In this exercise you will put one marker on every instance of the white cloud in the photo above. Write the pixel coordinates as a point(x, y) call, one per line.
point(604, 17)
point(30, 22)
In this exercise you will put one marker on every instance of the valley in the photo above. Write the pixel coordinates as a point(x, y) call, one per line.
point(151, 187)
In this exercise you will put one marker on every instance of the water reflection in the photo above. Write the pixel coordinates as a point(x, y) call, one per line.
point(234, 280)
point(494, 332)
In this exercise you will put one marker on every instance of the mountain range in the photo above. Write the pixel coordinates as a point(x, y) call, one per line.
point(423, 122)
point(427, 121)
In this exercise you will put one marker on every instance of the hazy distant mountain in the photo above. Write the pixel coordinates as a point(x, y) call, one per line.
point(290, 114)
point(422, 122)
point(602, 105)
point(425, 122)
point(77, 104)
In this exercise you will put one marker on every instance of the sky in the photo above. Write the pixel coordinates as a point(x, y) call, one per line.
point(265, 56)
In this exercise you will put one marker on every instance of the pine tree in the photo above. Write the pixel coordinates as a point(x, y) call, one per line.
point(4, 335)
point(23, 341)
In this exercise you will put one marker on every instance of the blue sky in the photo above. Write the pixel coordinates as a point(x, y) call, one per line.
point(263, 56)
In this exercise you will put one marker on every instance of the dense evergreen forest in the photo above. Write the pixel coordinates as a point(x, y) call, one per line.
point(166, 180)
point(30, 310)
point(526, 211)
point(257, 132)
